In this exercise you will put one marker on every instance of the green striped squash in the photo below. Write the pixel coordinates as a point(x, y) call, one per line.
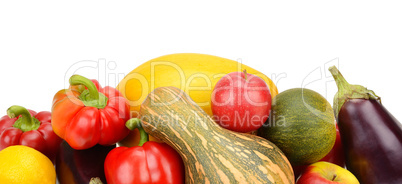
point(211, 154)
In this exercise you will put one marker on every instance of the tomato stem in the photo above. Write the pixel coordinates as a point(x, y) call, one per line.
point(25, 122)
point(134, 123)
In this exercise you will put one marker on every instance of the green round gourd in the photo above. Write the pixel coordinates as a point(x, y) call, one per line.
point(302, 125)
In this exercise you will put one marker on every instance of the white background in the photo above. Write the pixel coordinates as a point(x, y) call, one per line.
point(41, 43)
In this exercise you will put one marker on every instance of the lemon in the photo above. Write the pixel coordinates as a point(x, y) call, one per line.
point(22, 164)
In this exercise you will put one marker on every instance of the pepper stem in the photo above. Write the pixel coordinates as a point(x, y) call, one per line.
point(134, 123)
point(80, 80)
point(26, 122)
point(91, 96)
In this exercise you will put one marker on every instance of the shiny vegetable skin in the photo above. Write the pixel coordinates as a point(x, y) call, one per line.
point(149, 162)
point(79, 166)
point(371, 136)
point(26, 127)
point(86, 114)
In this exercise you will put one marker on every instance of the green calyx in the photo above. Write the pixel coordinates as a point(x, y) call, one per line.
point(95, 180)
point(26, 122)
point(348, 91)
point(134, 123)
point(90, 96)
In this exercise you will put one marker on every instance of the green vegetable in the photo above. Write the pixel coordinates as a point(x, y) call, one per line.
point(210, 153)
point(302, 125)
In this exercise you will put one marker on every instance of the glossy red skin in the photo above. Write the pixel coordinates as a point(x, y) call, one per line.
point(83, 126)
point(79, 166)
point(234, 96)
point(335, 156)
point(43, 139)
point(372, 141)
point(154, 162)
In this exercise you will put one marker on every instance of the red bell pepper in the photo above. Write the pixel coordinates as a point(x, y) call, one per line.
point(86, 114)
point(149, 162)
point(26, 127)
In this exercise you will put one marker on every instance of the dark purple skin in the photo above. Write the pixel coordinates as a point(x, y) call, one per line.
point(372, 140)
point(79, 166)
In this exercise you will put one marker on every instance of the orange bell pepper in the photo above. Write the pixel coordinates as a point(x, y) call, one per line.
point(86, 114)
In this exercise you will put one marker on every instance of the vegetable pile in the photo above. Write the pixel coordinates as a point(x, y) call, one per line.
point(195, 118)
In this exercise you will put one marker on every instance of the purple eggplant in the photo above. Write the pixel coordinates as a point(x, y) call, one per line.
point(371, 136)
point(79, 166)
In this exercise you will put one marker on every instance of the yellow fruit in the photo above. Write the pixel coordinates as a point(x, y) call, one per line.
point(195, 74)
point(22, 164)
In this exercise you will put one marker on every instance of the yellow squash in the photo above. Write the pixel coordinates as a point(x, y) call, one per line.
point(195, 74)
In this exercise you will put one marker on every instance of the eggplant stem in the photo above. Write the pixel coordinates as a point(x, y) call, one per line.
point(348, 91)
point(341, 82)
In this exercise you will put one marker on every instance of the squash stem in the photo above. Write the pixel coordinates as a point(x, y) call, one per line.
point(134, 123)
